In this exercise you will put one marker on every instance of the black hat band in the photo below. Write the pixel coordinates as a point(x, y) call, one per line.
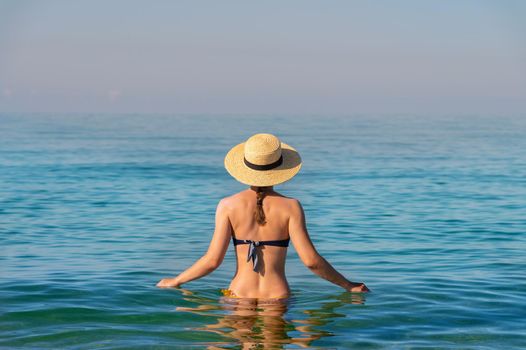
point(270, 166)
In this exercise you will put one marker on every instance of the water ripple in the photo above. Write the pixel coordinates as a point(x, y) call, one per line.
point(429, 212)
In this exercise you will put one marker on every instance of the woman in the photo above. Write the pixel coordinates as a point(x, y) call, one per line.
point(261, 222)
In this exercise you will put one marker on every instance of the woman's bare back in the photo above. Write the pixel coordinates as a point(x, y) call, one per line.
point(284, 219)
point(269, 281)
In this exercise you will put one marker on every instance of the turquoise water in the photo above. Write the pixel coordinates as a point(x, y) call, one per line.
point(430, 212)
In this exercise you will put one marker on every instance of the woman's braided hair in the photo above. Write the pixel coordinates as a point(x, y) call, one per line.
point(259, 215)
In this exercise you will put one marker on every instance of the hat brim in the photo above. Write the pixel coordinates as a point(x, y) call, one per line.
point(236, 167)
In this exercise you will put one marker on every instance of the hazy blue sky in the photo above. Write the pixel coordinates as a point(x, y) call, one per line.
point(263, 57)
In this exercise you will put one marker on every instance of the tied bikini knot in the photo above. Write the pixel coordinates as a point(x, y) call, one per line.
point(252, 253)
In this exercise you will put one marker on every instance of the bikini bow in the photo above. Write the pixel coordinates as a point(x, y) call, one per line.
point(252, 253)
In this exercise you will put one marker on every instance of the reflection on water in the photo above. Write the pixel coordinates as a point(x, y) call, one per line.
point(262, 324)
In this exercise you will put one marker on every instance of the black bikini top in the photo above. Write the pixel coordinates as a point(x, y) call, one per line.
point(252, 253)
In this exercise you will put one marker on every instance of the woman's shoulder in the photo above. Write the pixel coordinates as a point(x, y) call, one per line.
point(231, 200)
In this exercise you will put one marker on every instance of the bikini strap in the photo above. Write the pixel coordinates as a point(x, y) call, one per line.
point(252, 249)
point(276, 243)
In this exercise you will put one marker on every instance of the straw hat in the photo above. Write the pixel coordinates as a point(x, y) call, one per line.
point(263, 160)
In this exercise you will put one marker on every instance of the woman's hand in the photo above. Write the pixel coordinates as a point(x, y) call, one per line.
point(357, 287)
point(168, 282)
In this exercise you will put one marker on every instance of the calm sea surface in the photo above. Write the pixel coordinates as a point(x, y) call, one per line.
point(430, 212)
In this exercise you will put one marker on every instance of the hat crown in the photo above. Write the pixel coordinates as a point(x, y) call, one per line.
point(262, 149)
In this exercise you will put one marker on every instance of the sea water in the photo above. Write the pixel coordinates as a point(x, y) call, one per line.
point(428, 211)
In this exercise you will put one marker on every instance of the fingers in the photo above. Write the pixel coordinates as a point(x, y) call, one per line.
point(364, 288)
point(161, 284)
point(361, 287)
point(166, 283)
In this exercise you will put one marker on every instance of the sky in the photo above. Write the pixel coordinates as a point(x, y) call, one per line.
point(298, 57)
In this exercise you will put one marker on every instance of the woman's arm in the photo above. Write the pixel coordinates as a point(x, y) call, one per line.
point(213, 257)
point(310, 257)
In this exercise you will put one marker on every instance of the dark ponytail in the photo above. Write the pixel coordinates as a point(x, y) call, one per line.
point(259, 215)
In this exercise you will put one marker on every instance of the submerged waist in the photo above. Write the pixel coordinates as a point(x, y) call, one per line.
point(256, 287)
point(231, 294)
